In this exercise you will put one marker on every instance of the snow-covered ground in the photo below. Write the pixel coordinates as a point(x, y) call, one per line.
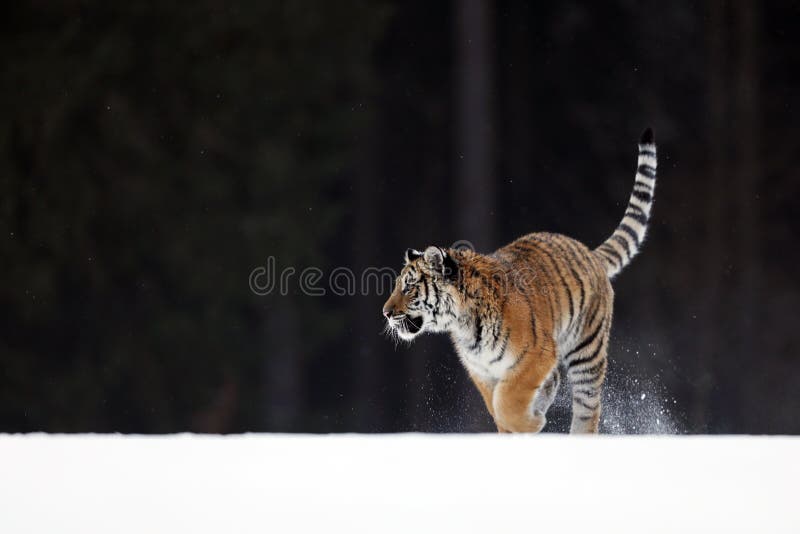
point(398, 483)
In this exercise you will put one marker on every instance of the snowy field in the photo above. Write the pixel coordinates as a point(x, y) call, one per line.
point(398, 483)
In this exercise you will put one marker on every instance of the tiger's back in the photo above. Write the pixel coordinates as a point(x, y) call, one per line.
point(565, 273)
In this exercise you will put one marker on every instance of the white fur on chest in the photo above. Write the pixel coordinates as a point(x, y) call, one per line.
point(488, 360)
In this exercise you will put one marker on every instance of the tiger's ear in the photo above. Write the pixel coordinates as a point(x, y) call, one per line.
point(411, 255)
point(434, 257)
point(450, 270)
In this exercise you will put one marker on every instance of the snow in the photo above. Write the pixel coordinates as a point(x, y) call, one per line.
point(409, 483)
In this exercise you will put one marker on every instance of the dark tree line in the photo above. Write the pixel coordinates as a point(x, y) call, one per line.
point(151, 156)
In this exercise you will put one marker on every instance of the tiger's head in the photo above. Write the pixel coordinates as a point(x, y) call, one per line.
point(425, 296)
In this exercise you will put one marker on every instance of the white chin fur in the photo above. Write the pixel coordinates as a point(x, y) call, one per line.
point(408, 336)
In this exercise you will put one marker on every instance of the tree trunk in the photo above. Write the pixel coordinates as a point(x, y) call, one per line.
point(747, 181)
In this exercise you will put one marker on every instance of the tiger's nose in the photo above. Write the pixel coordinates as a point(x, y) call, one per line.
point(387, 312)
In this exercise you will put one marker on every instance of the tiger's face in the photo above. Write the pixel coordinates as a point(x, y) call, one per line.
point(424, 297)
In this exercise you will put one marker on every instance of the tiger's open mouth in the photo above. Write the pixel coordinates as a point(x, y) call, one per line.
point(406, 326)
point(412, 324)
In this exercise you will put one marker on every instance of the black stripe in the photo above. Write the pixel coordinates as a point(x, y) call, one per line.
point(635, 208)
point(516, 362)
point(553, 261)
point(646, 152)
point(429, 294)
point(646, 170)
point(608, 250)
point(592, 370)
point(586, 359)
point(624, 244)
point(585, 343)
point(574, 254)
point(568, 251)
point(595, 313)
point(583, 295)
point(580, 361)
point(585, 381)
point(478, 333)
point(584, 404)
point(637, 216)
point(631, 232)
point(565, 284)
point(498, 325)
point(641, 195)
point(630, 248)
point(530, 247)
point(503, 349)
point(590, 392)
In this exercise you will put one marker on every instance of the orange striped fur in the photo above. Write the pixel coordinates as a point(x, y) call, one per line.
point(521, 315)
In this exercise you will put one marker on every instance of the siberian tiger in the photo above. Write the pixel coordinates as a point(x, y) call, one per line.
point(517, 315)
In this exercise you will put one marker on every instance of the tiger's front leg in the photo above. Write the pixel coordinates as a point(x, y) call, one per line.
point(486, 388)
point(516, 396)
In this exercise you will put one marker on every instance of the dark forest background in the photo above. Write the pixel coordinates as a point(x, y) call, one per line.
point(153, 154)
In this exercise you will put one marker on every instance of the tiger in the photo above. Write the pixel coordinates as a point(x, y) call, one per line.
point(522, 315)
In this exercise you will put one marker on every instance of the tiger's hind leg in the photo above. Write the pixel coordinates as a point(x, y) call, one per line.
point(586, 371)
point(547, 393)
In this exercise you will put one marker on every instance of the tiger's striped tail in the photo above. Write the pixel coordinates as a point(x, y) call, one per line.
point(618, 250)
